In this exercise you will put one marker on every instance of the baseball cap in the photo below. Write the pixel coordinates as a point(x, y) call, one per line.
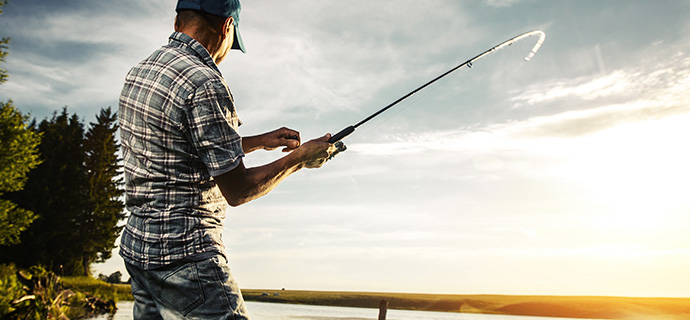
point(223, 8)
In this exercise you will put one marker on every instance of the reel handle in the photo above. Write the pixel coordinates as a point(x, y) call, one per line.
point(342, 134)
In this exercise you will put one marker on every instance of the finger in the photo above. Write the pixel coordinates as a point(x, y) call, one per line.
point(288, 133)
point(292, 137)
point(325, 138)
point(291, 143)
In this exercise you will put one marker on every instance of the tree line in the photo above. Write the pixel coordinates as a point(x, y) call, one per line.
point(60, 188)
point(70, 203)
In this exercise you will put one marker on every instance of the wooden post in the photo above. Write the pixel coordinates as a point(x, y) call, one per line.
point(383, 309)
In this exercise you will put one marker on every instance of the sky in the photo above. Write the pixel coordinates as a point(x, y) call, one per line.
point(564, 175)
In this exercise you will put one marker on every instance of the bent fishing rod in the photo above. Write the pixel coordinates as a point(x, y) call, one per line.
point(348, 130)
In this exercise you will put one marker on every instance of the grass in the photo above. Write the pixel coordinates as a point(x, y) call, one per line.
point(35, 293)
point(103, 290)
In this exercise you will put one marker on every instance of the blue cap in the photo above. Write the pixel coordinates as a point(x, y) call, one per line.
point(223, 8)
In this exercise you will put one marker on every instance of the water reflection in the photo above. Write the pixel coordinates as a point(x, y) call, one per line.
point(124, 312)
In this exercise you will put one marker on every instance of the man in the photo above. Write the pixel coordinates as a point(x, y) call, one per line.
point(183, 165)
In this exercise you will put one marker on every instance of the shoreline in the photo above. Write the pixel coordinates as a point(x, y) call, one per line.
point(584, 307)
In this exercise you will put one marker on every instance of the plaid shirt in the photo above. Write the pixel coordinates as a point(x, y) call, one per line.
point(178, 130)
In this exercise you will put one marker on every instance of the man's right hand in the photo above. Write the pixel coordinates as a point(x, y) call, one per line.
point(241, 185)
point(314, 153)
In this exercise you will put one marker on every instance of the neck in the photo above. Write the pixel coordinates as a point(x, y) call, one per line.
point(207, 37)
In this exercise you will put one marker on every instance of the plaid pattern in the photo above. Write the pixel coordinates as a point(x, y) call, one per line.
point(178, 130)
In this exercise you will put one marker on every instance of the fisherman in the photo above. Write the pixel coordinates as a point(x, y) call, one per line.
point(183, 165)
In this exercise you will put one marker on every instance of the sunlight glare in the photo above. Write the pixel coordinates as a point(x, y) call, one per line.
point(638, 172)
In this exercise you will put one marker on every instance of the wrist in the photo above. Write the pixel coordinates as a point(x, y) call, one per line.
point(295, 160)
point(252, 143)
point(260, 142)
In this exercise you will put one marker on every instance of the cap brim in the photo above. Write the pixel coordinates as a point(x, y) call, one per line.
point(237, 42)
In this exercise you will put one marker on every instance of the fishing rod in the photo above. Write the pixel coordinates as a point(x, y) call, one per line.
point(348, 130)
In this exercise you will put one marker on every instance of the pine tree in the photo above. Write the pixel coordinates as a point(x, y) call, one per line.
point(76, 194)
point(64, 214)
point(3, 50)
point(57, 192)
point(18, 155)
point(104, 182)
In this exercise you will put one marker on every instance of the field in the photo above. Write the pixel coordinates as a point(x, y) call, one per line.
point(547, 306)
point(106, 291)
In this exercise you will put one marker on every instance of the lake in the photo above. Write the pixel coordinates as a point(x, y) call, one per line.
point(280, 311)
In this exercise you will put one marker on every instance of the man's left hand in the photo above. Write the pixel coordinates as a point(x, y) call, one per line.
point(283, 137)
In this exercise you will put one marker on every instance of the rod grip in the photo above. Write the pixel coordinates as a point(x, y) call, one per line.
point(342, 134)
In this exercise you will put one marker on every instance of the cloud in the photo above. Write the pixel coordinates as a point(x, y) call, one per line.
point(334, 56)
point(595, 104)
point(80, 55)
point(583, 88)
point(500, 3)
point(659, 82)
point(511, 135)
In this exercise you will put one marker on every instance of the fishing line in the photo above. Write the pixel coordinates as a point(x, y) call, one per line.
point(350, 129)
point(402, 108)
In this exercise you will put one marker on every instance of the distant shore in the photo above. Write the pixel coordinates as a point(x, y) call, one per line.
point(585, 307)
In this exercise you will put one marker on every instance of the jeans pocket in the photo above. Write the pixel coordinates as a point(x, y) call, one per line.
point(181, 289)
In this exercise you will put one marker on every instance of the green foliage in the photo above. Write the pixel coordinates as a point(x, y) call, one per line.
point(13, 221)
point(79, 187)
point(3, 53)
point(59, 183)
point(18, 148)
point(3, 49)
point(115, 277)
point(104, 186)
point(10, 289)
point(18, 155)
point(40, 294)
point(60, 188)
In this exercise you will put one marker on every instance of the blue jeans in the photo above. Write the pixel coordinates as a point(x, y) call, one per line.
point(191, 290)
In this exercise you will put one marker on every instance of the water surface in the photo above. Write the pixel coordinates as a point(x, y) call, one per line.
point(280, 311)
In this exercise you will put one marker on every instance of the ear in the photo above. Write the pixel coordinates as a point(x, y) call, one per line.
point(228, 26)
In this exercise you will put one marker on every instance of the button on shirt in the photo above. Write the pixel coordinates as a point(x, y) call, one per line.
point(178, 130)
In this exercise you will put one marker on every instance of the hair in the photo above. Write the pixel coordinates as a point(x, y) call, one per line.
point(187, 18)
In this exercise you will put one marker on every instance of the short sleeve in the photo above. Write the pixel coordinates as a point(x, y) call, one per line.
point(213, 125)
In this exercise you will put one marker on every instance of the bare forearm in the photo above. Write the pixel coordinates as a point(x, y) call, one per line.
point(250, 144)
point(261, 180)
point(283, 137)
point(256, 182)
point(241, 185)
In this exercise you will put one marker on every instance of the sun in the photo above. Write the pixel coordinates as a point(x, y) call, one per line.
point(637, 173)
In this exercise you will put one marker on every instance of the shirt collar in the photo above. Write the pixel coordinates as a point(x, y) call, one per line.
point(181, 40)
